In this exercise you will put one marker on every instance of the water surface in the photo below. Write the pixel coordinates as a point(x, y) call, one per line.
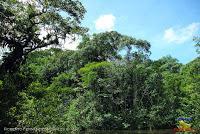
point(166, 131)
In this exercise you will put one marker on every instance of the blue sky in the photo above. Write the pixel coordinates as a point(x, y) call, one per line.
point(169, 25)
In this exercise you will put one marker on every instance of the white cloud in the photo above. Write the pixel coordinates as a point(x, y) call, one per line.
point(27, 1)
point(71, 42)
point(105, 22)
point(67, 44)
point(182, 34)
point(43, 32)
point(24, 1)
point(32, 2)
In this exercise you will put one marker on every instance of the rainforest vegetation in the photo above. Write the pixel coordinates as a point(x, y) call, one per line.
point(108, 83)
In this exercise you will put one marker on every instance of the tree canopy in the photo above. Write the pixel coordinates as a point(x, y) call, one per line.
point(108, 83)
point(30, 25)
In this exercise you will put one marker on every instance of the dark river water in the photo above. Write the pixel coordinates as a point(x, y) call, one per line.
point(167, 131)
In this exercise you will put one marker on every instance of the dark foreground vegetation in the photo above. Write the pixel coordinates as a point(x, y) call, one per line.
point(109, 83)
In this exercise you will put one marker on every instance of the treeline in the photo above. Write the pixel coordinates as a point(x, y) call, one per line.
point(96, 87)
point(108, 83)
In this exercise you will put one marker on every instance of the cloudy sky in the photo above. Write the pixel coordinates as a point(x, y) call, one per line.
point(169, 25)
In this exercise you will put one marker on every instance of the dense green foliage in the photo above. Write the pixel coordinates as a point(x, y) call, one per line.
point(117, 94)
point(197, 40)
point(108, 83)
point(21, 24)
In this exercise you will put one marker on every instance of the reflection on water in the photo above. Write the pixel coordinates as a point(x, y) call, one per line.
point(168, 131)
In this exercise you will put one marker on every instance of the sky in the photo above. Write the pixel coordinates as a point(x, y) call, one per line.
point(169, 25)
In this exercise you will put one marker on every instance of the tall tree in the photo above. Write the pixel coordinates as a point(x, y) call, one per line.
point(28, 25)
point(107, 46)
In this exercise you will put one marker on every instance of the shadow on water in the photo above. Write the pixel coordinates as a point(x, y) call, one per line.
point(167, 131)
